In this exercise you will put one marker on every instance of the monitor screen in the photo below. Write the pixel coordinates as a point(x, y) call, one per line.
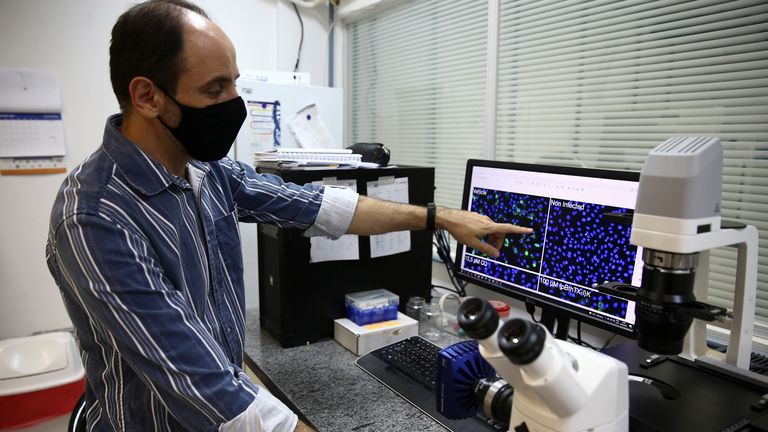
point(574, 244)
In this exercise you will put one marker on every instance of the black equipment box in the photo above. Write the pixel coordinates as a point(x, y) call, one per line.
point(299, 300)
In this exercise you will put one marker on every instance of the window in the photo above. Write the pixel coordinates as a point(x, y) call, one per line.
point(416, 83)
point(600, 83)
point(586, 83)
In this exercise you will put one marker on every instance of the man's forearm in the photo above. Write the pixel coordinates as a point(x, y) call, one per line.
point(373, 216)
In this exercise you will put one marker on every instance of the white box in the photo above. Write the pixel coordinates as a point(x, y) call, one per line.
point(363, 339)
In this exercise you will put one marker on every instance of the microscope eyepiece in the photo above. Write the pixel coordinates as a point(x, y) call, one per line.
point(521, 341)
point(478, 318)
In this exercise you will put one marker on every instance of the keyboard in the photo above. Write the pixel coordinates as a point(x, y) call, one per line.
point(415, 357)
point(409, 368)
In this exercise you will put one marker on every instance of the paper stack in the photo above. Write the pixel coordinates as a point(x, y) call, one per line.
point(302, 158)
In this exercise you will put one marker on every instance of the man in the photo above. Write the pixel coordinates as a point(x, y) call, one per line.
point(144, 240)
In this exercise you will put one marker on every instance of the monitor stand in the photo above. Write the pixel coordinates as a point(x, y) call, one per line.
point(556, 323)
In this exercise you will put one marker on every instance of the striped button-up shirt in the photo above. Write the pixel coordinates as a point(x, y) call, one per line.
point(150, 269)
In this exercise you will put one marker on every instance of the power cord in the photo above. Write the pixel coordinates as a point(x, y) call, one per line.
point(301, 41)
point(443, 246)
point(605, 345)
point(442, 287)
point(328, 48)
point(312, 3)
point(531, 309)
point(580, 341)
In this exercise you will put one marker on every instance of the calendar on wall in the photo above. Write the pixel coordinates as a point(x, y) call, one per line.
point(25, 135)
point(31, 127)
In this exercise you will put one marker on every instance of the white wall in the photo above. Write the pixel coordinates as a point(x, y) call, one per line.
point(72, 38)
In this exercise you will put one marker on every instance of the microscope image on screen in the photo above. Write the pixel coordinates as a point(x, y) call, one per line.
point(518, 209)
point(519, 253)
point(574, 246)
point(583, 248)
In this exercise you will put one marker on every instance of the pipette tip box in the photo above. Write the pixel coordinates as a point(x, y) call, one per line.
point(367, 307)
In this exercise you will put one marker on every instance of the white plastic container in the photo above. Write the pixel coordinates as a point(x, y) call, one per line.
point(41, 377)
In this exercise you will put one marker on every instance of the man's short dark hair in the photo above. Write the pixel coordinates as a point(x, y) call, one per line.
point(148, 40)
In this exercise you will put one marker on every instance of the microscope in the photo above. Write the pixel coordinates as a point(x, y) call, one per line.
point(560, 386)
point(676, 223)
point(557, 386)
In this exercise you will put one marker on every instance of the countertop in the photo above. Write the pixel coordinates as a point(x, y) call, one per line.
point(322, 384)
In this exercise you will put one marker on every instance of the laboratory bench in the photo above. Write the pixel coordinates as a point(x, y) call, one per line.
point(322, 384)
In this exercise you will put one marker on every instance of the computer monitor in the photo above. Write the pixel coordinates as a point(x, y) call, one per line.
point(575, 243)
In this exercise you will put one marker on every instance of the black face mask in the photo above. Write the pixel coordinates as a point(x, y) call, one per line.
point(208, 133)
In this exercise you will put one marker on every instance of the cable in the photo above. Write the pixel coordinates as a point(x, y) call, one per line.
point(578, 340)
point(582, 343)
point(301, 41)
point(453, 290)
point(437, 288)
point(327, 49)
point(531, 309)
point(578, 332)
point(307, 3)
point(605, 345)
point(443, 247)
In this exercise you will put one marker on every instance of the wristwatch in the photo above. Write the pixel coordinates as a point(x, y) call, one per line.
point(431, 210)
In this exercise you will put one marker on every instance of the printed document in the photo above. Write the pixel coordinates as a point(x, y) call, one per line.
point(346, 247)
point(390, 189)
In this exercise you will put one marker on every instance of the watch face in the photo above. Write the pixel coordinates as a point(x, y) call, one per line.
point(431, 210)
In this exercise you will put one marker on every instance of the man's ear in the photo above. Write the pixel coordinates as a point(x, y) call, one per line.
point(146, 99)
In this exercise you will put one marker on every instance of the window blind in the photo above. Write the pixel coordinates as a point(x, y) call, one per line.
point(586, 83)
point(600, 83)
point(416, 83)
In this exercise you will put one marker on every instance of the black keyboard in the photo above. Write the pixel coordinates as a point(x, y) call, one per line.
point(415, 356)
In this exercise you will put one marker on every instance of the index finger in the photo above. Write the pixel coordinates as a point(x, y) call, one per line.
point(512, 229)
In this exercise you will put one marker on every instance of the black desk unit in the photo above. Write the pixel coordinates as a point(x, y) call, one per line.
point(698, 398)
point(299, 300)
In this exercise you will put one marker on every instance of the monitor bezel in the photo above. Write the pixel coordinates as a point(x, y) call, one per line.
point(530, 297)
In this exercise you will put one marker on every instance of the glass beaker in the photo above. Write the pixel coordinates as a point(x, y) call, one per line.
point(449, 306)
point(431, 322)
point(413, 307)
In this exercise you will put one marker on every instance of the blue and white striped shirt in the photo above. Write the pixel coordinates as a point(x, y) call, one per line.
point(150, 269)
